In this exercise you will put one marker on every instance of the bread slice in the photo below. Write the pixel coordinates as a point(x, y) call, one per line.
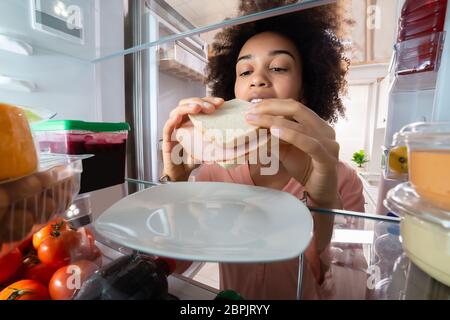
point(226, 126)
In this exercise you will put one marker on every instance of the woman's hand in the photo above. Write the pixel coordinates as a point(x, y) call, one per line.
point(308, 148)
point(179, 115)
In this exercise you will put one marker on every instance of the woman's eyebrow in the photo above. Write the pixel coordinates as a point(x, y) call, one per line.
point(246, 57)
point(271, 53)
point(277, 52)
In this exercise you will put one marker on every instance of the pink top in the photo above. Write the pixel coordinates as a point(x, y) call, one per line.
point(279, 280)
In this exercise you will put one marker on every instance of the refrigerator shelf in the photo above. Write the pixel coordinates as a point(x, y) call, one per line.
point(415, 82)
point(178, 61)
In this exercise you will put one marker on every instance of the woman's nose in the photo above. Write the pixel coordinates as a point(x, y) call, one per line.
point(259, 80)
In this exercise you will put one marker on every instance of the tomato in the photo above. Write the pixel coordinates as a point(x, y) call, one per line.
point(25, 290)
point(87, 250)
point(9, 264)
point(33, 269)
point(54, 226)
point(67, 281)
point(57, 249)
point(25, 245)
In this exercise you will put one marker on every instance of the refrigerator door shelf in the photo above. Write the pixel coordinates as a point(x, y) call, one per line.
point(7, 83)
point(420, 54)
point(414, 81)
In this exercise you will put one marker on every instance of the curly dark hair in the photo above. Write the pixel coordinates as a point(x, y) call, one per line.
point(313, 31)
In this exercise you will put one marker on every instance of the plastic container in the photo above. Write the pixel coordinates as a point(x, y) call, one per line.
point(396, 162)
point(29, 202)
point(429, 160)
point(425, 231)
point(420, 36)
point(420, 18)
point(106, 141)
point(419, 54)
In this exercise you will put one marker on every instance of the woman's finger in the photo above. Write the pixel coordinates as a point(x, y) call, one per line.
point(168, 130)
point(267, 121)
point(184, 109)
point(207, 104)
point(293, 109)
point(307, 144)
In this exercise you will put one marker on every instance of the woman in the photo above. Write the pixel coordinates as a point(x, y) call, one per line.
point(295, 64)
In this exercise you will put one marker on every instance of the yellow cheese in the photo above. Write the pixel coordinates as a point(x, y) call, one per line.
point(18, 155)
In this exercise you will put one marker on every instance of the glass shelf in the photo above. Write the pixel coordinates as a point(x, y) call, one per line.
point(136, 184)
point(94, 31)
point(365, 250)
point(177, 16)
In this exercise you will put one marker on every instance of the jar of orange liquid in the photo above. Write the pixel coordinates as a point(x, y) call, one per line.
point(429, 161)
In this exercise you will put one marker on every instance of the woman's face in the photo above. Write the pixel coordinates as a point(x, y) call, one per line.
point(268, 66)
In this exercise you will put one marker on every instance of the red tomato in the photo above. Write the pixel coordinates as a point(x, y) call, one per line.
point(33, 269)
point(54, 226)
point(67, 281)
point(87, 250)
point(57, 249)
point(9, 264)
point(25, 245)
point(25, 290)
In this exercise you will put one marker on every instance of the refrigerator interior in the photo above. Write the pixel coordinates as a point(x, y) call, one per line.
point(416, 97)
point(59, 73)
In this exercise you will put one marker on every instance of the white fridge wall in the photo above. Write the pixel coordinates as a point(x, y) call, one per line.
point(72, 87)
point(63, 84)
point(15, 20)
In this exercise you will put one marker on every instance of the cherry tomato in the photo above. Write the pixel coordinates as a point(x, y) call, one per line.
point(26, 245)
point(67, 281)
point(9, 264)
point(54, 226)
point(57, 249)
point(87, 250)
point(25, 290)
point(33, 269)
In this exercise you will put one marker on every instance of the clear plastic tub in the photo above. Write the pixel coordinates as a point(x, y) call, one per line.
point(425, 231)
point(29, 202)
point(429, 160)
point(106, 141)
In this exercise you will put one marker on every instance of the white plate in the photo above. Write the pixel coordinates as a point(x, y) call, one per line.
point(210, 221)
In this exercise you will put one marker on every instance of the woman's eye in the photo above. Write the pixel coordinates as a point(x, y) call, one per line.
point(277, 69)
point(245, 73)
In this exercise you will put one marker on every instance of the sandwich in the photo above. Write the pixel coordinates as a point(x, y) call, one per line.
point(223, 137)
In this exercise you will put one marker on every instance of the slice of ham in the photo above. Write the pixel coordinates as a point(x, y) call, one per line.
point(200, 148)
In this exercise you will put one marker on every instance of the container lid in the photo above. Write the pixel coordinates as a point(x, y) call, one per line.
point(432, 133)
point(404, 200)
point(66, 125)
